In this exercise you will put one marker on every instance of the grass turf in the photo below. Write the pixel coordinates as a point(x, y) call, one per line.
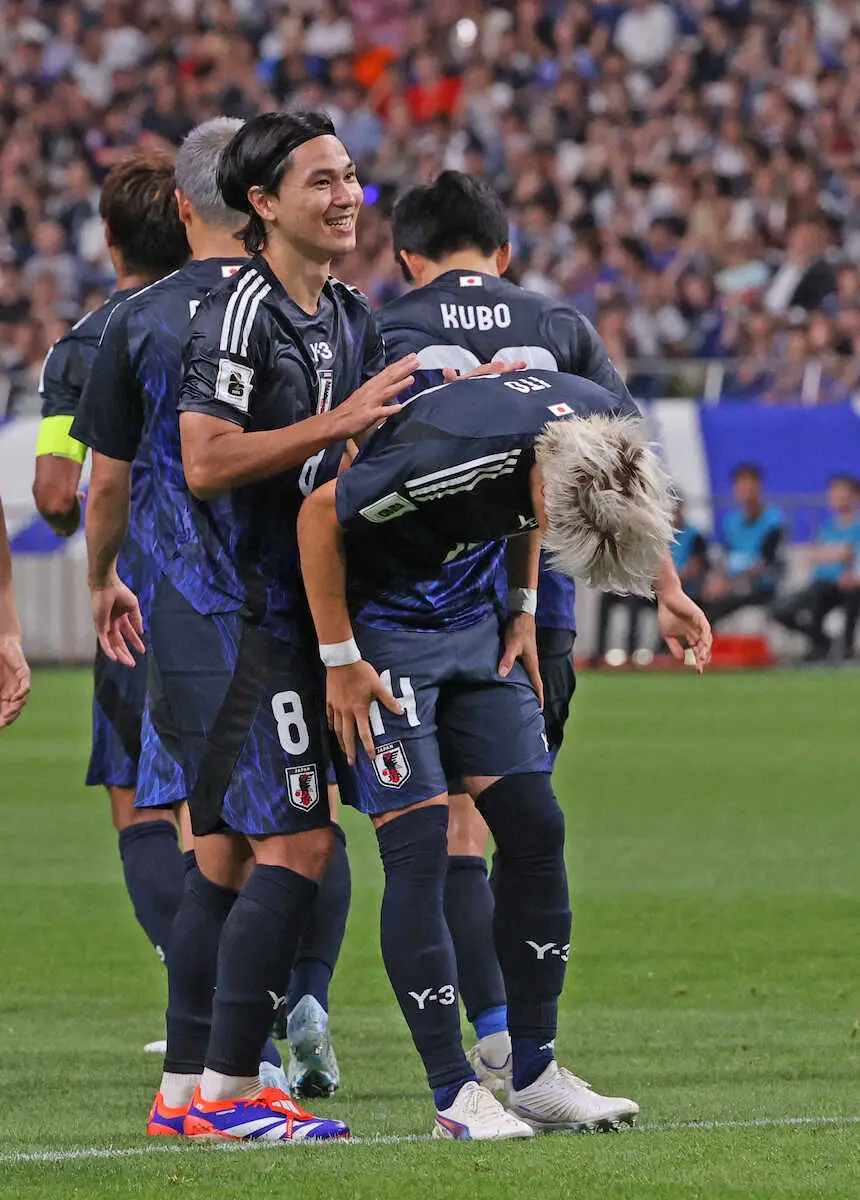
point(712, 836)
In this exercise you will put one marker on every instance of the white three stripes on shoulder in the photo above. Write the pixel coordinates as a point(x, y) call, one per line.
point(420, 480)
point(231, 327)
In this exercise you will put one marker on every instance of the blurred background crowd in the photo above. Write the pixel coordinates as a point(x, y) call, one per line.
point(687, 173)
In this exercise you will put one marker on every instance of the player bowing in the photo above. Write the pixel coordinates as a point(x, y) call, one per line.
point(475, 462)
point(452, 241)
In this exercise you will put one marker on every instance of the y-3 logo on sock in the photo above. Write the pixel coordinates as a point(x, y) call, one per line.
point(550, 948)
point(277, 1000)
point(447, 994)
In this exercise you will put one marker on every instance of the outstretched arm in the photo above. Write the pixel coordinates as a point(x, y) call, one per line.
point(680, 617)
point(352, 684)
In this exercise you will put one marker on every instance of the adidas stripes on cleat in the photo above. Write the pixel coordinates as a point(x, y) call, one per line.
point(272, 1116)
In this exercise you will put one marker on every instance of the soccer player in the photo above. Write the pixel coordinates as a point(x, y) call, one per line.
point(415, 667)
point(275, 361)
point(452, 240)
point(146, 240)
point(14, 672)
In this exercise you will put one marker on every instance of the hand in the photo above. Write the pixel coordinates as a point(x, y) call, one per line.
point(680, 617)
point(520, 643)
point(451, 374)
point(14, 678)
point(371, 403)
point(68, 524)
point(119, 625)
point(350, 691)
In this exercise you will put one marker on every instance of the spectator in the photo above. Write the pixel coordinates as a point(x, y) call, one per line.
point(835, 582)
point(751, 541)
point(805, 278)
point(646, 33)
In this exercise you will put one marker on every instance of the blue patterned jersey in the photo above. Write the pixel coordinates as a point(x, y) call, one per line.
point(461, 320)
point(128, 412)
point(61, 386)
point(437, 483)
point(255, 358)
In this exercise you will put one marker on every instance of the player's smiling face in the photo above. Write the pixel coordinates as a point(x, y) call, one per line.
point(319, 198)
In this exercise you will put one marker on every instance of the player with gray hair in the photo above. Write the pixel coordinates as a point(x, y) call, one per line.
point(196, 174)
point(398, 557)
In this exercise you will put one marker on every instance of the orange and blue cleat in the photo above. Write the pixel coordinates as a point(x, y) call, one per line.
point(165, 1121)
point(272, 1116)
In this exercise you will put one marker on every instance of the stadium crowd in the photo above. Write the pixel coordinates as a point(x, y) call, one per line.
point(686, 174)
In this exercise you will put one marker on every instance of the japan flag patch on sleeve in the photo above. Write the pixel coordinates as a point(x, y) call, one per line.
point(391, 765)
point(303, 785)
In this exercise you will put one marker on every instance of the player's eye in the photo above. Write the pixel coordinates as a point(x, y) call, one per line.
point(322, 183)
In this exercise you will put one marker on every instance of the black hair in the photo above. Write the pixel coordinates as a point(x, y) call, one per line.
point(138, 205)
point(845, 477)
point(259, 155)
point(455, 213)
point(747, 468)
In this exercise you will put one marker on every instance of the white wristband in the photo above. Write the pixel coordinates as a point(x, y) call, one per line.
point(340, 654)
point(522, 600)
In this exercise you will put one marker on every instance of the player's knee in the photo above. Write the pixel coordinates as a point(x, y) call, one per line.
point(417, 840)
point(524, 817)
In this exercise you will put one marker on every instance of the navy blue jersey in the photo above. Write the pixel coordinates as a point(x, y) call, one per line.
point(461, 320)
point(128, 412)
point(62, 385)
point(442, 481)
point(255, 358)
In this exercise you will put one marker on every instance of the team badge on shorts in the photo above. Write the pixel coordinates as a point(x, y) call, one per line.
point(304, 786)
point(391, 765)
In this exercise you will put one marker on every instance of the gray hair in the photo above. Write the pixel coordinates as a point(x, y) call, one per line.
point(609, 503)
point(197, 171)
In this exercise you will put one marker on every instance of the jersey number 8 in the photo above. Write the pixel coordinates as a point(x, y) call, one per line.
point(290, 720)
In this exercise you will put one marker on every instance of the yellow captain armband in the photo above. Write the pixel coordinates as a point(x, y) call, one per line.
point(55, 437)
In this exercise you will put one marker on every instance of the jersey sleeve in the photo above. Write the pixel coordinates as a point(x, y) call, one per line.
point(372, 489)
point(582, 352)
point(110, 417)
point(60, 387)
point(219, 379)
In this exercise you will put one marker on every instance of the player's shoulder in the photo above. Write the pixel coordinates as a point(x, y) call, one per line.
point(349, 297)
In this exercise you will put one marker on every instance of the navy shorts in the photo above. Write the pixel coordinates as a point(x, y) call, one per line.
point(247, 712)
point(120, 756)
point(460, 717)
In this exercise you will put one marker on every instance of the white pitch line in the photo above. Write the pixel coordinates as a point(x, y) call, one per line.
point(84, 1152)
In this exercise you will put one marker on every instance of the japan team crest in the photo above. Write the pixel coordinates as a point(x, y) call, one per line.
point(303, 785)
point(391, 765)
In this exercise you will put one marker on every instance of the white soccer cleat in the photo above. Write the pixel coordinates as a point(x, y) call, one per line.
point(558, 1099)
point(477, 1116)
point(159, 1047)
point(491, 1061)
point(312, 1069)
point(273, 1077)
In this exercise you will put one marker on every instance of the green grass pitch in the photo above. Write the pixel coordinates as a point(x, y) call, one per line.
point(712, 844)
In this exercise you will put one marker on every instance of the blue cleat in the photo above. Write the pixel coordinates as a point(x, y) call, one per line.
point(273, 1116)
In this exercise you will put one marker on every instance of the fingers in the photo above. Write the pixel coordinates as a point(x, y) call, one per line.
point(381, 692)
point(675, 648)
point(530, 662)
point(504, 368)
point(131, 627)
point(347, 737)
point(364, 734)
point(507, 660)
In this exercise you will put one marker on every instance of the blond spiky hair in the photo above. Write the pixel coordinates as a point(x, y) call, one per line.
point(608, 501)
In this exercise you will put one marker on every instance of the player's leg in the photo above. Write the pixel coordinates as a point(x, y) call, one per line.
point(500, 723)
point(469, 915)
point(313, 1069)
point(261, 774)
point(403, 790)
point(148, 845)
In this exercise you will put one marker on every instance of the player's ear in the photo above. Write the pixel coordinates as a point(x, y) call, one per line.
point(183, 204)
point(262, 202)
point(503, 258)
point(406, 262)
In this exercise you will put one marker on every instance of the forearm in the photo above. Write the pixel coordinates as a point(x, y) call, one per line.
point(55, 491)
point(218, 457)
point(321, 546)
point(10, 626)
point(106, 526)
point(667, 581)
point(523, 560)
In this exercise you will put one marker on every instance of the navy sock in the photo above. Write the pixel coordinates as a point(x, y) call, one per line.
point(469, 912)
point(191, 970)
point(531, 1057)
point(416, 944)
point(189, 859)
point(532, 920)
point(271, 1054)
point(255, 958)
point(444, 1096)
point(321, 941)
point(152, 865)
